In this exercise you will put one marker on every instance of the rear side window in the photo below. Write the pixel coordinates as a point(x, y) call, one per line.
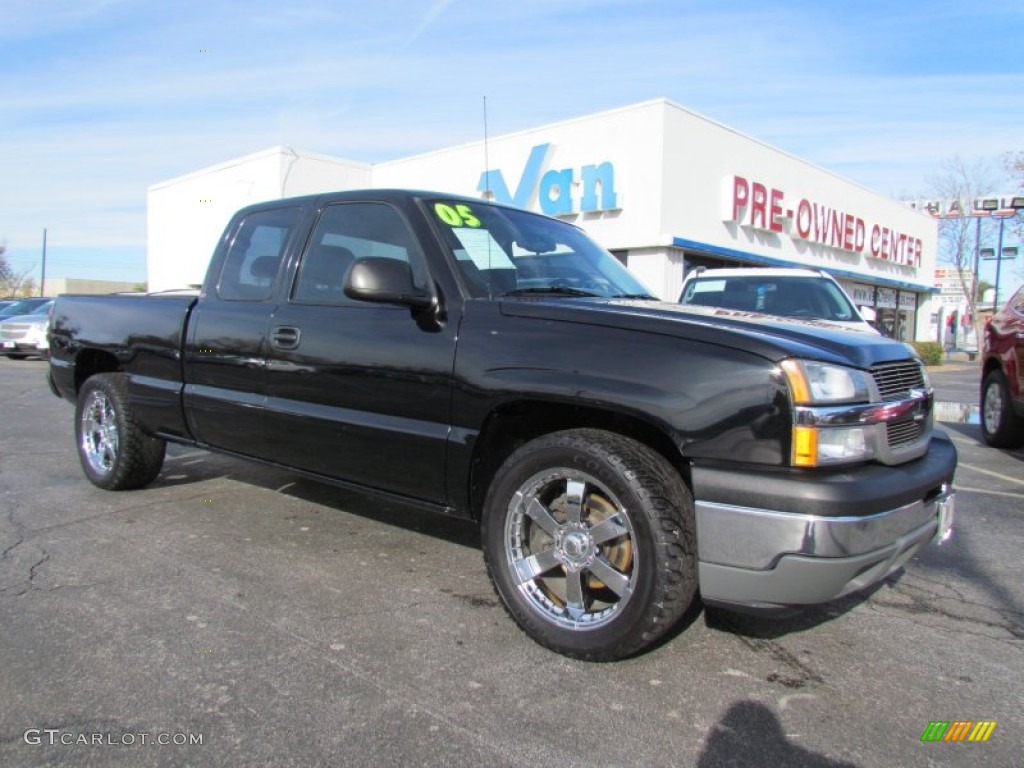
point(255, 255)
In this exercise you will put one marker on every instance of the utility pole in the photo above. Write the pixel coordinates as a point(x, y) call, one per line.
point(42, 280)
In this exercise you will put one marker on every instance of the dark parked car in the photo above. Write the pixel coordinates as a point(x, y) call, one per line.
point(1002, 377)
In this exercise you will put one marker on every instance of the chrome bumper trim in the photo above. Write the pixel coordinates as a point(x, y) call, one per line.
point(875, 418)
point(917, 407)
point(746, 537)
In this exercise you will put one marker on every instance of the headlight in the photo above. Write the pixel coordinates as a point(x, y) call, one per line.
point(821, 446)
point(822, 384)
point(36, 336)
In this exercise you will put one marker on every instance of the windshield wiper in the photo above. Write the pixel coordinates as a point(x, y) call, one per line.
point(634, 296)
point(557, 290)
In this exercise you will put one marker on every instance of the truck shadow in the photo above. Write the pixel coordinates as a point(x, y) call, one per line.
point(949, 583)
point(776, 624)
point(186, 466)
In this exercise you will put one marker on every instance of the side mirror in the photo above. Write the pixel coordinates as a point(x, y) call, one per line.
point(868, 314)
point(385, 281)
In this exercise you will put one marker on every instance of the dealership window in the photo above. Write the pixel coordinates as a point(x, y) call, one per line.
point(896, 313)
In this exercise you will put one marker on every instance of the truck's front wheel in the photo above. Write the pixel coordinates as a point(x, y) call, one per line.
point(115, 453)
point(590, 541)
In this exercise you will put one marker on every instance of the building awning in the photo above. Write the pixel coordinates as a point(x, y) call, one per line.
point(731, 253)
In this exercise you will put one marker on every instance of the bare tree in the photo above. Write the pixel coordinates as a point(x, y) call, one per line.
point(5, 268)
point(11, 283)
point(960, 237)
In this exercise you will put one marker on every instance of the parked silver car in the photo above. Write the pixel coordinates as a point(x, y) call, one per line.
point(25, 335)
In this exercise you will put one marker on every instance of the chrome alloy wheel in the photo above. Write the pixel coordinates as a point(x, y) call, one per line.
point(993, 406)
point(99, 435)
point(569, 544)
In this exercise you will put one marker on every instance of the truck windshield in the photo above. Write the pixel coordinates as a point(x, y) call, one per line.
point(505, 252)
point(790, 296)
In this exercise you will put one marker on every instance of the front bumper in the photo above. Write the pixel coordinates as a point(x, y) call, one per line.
point(22, 347)
point(762, 556)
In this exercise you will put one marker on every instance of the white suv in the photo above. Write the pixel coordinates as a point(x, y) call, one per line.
point(796, 293)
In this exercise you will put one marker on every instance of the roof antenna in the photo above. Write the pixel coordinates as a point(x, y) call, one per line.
point(487, 196)
point(487, 164)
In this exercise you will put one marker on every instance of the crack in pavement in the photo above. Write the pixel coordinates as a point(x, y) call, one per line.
point(925, 602)
point(6, 555)
point(116, 511)
point(19, 532)
point(779, 653)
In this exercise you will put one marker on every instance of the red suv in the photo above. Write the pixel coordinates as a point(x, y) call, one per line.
point(1002, 377)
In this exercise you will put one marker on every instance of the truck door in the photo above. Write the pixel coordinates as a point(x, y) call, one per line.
point(359, 391)
point(226, 347)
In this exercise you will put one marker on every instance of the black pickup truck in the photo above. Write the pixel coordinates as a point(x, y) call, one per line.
point(621, 454)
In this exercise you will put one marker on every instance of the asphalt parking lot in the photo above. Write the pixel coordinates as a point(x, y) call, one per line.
point(234, 615)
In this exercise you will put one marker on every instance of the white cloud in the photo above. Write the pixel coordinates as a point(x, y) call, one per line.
point(436, 10)
point(103, 98)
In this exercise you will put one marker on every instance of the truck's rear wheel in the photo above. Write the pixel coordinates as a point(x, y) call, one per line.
point(1000, 426)
point(589, 538)
point(115, 453)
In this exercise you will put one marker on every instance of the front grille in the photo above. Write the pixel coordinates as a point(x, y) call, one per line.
point(13, 332)
point(895, 380)
point(903, 432)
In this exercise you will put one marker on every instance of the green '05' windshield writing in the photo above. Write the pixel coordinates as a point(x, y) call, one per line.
point(504, 252)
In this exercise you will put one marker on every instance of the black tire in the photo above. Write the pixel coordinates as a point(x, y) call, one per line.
point(1000, 426)
point(114, 451)
point(17, 356)
point(608, 580)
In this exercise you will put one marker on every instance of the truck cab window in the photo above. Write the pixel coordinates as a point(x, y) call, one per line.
point(254, 255)
point(345, 233)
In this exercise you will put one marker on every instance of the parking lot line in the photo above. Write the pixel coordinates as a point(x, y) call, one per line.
point(1007, 478)
point(1011, 494)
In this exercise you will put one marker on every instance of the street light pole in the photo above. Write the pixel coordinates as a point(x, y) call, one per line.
point(975, 300)
point(999, 262)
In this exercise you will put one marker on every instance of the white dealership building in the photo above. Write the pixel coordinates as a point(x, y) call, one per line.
point(663, 188)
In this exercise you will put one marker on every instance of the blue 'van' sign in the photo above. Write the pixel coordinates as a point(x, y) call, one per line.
point(554, 188)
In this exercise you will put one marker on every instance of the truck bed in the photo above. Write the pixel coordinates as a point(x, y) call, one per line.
point(143, 334)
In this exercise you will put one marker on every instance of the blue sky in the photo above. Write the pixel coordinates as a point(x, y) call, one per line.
point(102, 98)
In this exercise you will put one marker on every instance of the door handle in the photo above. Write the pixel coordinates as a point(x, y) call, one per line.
point(285, 337)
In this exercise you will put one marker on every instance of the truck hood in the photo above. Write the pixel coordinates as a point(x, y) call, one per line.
point(769, 336)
